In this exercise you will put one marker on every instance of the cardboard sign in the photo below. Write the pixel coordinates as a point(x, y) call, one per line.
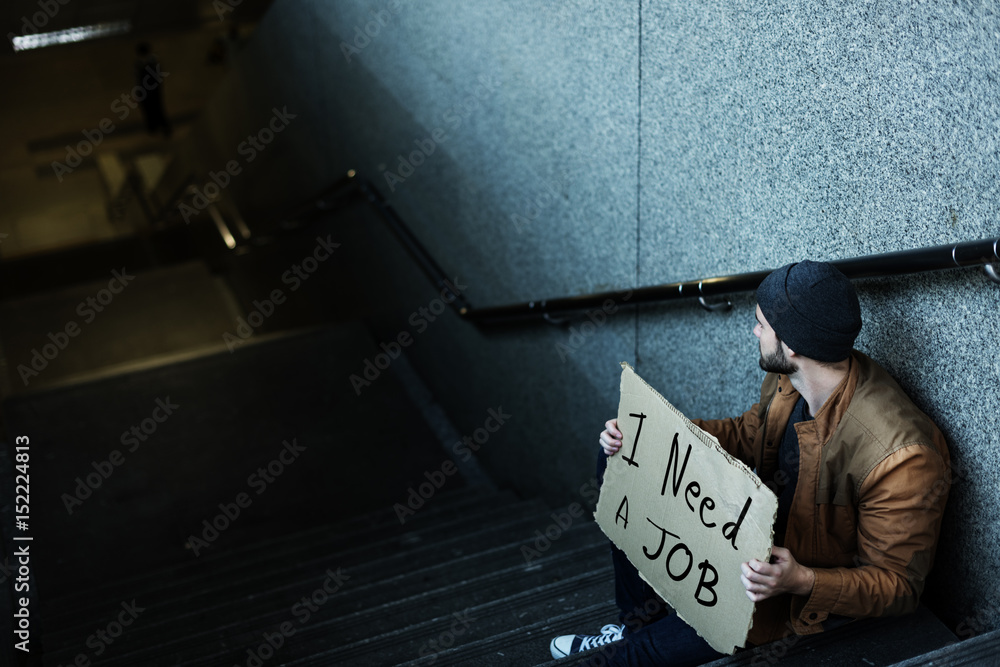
point(686, 513)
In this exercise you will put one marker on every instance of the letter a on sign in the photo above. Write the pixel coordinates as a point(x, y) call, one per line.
point(690, 553)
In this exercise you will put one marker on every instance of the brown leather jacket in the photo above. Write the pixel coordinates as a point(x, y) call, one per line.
point(874, 475)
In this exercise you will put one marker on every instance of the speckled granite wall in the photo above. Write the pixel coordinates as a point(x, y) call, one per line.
point(775, 132)
point(520, 122)
point(578, 146)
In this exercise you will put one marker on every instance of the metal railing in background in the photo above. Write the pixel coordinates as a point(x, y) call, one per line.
point(413, 246)
point(965, 254)
point(984, 252)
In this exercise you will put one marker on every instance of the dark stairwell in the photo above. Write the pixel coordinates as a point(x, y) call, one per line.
point(365, 534)
point(202, 500)
point(268, 510)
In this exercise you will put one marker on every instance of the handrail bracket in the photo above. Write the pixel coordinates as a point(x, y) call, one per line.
point(713, 307)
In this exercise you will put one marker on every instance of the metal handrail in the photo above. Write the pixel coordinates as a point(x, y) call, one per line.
point(984, 252)
point(413, 245)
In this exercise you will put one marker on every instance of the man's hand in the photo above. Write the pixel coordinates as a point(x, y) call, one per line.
point(611, 437)
point(783, 575)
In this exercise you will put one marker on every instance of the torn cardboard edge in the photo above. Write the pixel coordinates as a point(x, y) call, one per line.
point(742, 608)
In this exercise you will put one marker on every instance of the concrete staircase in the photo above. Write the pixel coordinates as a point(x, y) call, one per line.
point(450, 586)
point(467, 579)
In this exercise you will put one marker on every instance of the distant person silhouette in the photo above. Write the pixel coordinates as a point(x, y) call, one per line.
point(148, 80)
point(225, 46)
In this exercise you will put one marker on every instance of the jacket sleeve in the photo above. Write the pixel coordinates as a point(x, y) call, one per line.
point(737, 434)
point(900, 505)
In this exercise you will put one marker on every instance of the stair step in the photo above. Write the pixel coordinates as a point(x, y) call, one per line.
point(470, 593)
point(982, 651)
point(365, 528)
point(139, 520)
point(463, 625)
point(215, 590)
point(878, 642)
point(574, 541)
point(194, 612)
point(341, 629)
point(527, 645)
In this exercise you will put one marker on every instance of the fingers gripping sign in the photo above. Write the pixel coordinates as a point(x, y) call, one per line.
point(611, 437)
point(783, 574)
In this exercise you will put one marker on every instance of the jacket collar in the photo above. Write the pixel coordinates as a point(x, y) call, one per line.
point(835, 407)
point(824, 422)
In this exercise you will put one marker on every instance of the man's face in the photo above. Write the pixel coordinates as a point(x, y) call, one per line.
point(772, 353)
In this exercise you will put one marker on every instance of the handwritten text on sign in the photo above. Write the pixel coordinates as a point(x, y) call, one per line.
point(685, 513)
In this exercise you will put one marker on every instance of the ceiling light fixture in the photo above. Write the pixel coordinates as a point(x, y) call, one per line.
point(80, 34)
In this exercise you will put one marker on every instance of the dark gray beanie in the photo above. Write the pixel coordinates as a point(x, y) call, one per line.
point(813, 307)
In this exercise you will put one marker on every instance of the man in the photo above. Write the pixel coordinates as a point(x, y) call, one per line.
point(149, 79)
point(861, 476)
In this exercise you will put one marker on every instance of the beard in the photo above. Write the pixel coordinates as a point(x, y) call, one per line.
point(777, 362)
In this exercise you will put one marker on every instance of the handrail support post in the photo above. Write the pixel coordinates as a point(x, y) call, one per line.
point(993, 269)
point(725, 306)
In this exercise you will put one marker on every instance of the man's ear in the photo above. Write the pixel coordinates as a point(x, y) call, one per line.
point(789, 352)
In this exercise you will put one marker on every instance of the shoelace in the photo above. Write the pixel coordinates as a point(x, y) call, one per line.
point(609, 633)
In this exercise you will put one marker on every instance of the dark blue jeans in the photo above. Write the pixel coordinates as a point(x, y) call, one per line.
point(654, 634)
